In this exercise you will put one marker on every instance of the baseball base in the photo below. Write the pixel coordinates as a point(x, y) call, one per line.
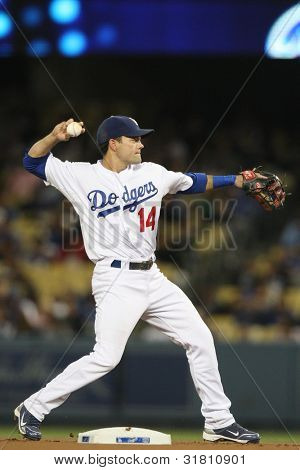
point(124, 436)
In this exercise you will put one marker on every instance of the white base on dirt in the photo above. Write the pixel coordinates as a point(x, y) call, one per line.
point(124, 436)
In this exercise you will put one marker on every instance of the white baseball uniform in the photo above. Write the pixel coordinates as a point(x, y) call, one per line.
point(119, 214)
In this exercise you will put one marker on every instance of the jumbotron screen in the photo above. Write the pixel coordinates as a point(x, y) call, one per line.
point(77, 27)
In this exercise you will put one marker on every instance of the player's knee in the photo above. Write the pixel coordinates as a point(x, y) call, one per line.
point(114, 361)
point(106, 359)
point(202, 338)
point(208, 335)
point(107, 363)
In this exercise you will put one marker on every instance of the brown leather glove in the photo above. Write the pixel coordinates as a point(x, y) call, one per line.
point(265, 187)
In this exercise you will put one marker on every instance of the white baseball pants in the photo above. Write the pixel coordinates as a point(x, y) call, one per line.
point(122, 298)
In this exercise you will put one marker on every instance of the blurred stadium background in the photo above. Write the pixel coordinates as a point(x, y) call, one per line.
point(218, 79)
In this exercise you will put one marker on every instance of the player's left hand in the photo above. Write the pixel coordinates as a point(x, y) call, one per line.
point(265, 187)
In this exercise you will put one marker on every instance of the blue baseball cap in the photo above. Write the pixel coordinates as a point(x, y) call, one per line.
point(116, 126)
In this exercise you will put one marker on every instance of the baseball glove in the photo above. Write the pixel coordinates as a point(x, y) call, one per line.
point(265, 187)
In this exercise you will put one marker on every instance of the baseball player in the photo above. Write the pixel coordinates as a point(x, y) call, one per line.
point(118, 200)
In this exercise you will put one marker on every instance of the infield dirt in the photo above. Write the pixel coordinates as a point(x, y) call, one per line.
point(24, 444)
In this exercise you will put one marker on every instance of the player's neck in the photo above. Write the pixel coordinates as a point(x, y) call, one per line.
point(114, 164)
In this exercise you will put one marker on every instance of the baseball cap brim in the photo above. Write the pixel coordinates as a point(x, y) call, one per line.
point(140, 133)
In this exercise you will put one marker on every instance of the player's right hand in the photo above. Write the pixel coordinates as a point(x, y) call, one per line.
point(60, 131)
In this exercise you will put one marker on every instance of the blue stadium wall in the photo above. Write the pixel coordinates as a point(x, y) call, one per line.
point(152, 384)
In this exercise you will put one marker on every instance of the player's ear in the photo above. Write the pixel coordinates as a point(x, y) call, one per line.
point(112, 143)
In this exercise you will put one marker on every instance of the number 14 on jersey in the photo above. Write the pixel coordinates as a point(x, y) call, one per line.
point(150, 221)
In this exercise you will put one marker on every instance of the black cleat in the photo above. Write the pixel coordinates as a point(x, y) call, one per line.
point(29, 426)
point(234, 432)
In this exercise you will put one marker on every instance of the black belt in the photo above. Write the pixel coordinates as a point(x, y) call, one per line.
point(143, 265)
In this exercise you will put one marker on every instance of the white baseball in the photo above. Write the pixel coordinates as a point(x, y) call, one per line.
point(74, 129)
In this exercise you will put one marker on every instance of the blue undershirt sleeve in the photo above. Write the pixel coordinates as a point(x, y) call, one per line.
point(199, 183)
point(221, 181)
point(36, 166)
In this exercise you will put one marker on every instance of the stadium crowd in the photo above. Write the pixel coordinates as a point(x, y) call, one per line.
point(214, 246)
point(239, 265)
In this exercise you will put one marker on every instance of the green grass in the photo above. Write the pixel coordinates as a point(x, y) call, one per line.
point(51, 432)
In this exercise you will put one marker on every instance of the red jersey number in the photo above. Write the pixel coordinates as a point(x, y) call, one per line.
point(150, 222)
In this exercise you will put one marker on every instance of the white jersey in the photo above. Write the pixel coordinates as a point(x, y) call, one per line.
point(118, 212)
